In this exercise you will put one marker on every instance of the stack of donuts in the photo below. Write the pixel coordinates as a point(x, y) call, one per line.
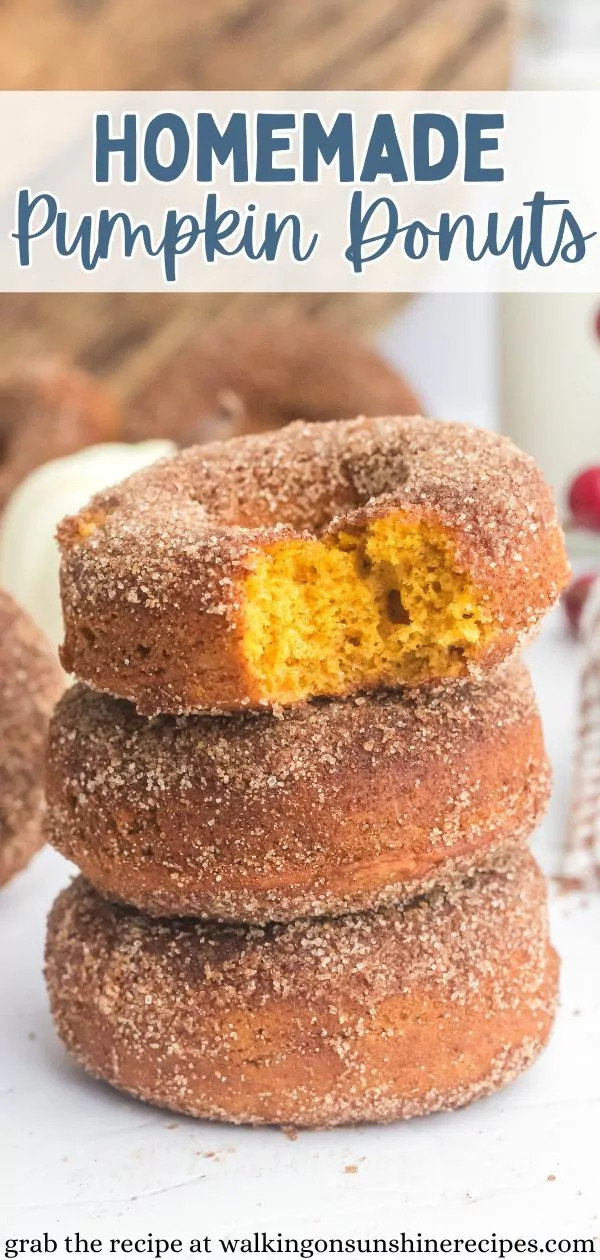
point(299, 773)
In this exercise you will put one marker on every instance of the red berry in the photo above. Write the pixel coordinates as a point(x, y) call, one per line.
point(584, 499)
point(575, 597)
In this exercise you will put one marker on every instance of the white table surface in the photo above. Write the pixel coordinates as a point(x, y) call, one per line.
point(76, 1155)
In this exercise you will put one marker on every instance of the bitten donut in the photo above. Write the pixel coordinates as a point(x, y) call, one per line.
point(372, 1017)
point(30, 684)
point(48, 410)
point(333, 806)
point(239, 378)
point(318, 560)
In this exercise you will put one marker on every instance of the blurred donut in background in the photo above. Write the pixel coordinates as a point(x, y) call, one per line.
point(236, 378)
point(31, 682)
point(48, 410)
point(63, 438)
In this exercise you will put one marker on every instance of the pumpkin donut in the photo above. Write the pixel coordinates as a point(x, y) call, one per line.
point(333, 806)
point(30, 684)
point(372, 1017)
point(236, 378)
point(317, 560)
point(48, 410)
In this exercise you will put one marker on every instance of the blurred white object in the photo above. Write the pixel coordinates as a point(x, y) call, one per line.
point(550, 344)
point(550, 381)
point(559, 48)
point(29, 556)
point(583, 850)
point(446, 344)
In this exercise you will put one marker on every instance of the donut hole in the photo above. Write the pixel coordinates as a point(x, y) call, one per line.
point(382, 606)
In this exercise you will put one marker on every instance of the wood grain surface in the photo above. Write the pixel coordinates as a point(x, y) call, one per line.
point(225, 44)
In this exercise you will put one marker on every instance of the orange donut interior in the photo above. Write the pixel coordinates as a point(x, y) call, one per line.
point(380, 607)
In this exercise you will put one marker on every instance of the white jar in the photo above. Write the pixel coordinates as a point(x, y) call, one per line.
point(550, 381)
point(550, 343)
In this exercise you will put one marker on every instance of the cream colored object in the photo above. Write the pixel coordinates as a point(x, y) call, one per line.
point(550, 381)
point(550, 355)
point(29, 557)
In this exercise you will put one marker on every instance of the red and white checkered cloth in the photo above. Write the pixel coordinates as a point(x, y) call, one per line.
point(582, 860)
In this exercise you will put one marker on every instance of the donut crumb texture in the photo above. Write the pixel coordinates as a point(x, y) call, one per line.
point(380, 606)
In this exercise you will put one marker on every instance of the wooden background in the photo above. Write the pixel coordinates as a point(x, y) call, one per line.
point(224, 44)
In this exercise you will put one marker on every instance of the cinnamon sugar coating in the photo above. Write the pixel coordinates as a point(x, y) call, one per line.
point(236, 378)
point(321, 809)
point(30, 684)
point(372, 1017)
point(48, 410)
point(153, 571)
